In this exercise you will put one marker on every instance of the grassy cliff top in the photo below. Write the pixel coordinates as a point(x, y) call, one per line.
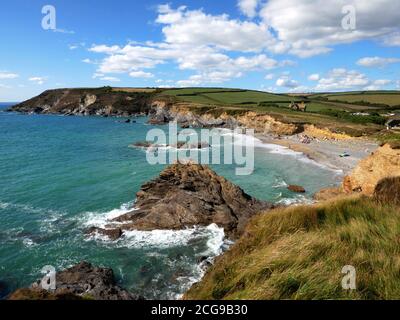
point(299, 253)
point(354, 113)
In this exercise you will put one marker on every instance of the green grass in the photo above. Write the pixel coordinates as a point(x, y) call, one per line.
point(378, 98)
point(227, 96)
point(299, 252)
point(390, 137)
point(389, 99)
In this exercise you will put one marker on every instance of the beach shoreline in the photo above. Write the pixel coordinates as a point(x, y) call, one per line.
point(326, 152)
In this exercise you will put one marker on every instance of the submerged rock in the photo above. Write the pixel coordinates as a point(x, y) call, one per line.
point(83, 281)
point(297, 189)
point(112, 234)
point(187, 195)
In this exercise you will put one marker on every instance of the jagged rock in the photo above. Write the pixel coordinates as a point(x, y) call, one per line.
point(112, 234)
point(142, 144)
point(83, 281)
point(201, 259)
point(187, 195)
point(297, 189)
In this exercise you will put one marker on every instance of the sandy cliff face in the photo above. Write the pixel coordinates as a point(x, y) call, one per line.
point(383, 163)
point(187, 115)
point(263, 123)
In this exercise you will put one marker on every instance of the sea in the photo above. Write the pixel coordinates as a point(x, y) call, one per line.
point(60, 175)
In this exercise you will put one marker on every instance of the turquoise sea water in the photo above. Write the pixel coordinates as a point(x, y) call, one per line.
point(59, 175)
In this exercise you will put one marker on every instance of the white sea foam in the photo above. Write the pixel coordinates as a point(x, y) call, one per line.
point(155, 238)
point(101, 219)
point(48, 216)
point(212, 235)
point(298, 200)
point(4, 205)
point(174, 238)
point(280, 184)
point(28, 242)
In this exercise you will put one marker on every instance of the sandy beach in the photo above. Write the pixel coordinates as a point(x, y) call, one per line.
point(327, 152)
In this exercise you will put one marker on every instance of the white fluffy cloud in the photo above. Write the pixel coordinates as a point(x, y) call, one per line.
point(187, 45)
point(197, 28)
point(392, 40)
point(218, 48)
point(8, 75)
point(376, 61)
point(343, 79)
point(141, 74)
point(312, 27)
point(111, 79)
point(314, 77)
point(287, 82)
point(37, 80)
point(248, 7)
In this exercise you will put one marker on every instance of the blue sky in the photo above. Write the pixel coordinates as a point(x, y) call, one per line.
point(274, 45)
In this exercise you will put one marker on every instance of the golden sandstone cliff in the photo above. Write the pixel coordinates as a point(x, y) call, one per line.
point(383, 163)
point(189, 115)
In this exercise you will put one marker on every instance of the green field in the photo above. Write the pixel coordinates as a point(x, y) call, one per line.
point(379, 98)
point(389, 99)
point(228, 96)
point(355, 113)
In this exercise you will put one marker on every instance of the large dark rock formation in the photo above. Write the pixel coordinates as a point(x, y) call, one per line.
point(186, 195)
point(83, 281)
point(101, 101)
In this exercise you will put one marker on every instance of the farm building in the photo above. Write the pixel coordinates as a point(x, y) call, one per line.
point(298, 106)
point(393, 124)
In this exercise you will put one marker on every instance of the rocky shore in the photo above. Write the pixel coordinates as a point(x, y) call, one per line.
point(187, 195)
point(81, 282)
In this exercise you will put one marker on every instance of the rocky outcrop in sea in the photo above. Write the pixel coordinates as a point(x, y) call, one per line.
point(81, 282)
point(187, 195)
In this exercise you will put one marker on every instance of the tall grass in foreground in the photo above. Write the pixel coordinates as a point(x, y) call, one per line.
point(299, 253)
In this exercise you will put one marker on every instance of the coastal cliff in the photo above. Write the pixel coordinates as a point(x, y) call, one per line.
point(382, 163)
point(191, 115)
point(101, 102)
point(365, 177)
point(163, 109)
